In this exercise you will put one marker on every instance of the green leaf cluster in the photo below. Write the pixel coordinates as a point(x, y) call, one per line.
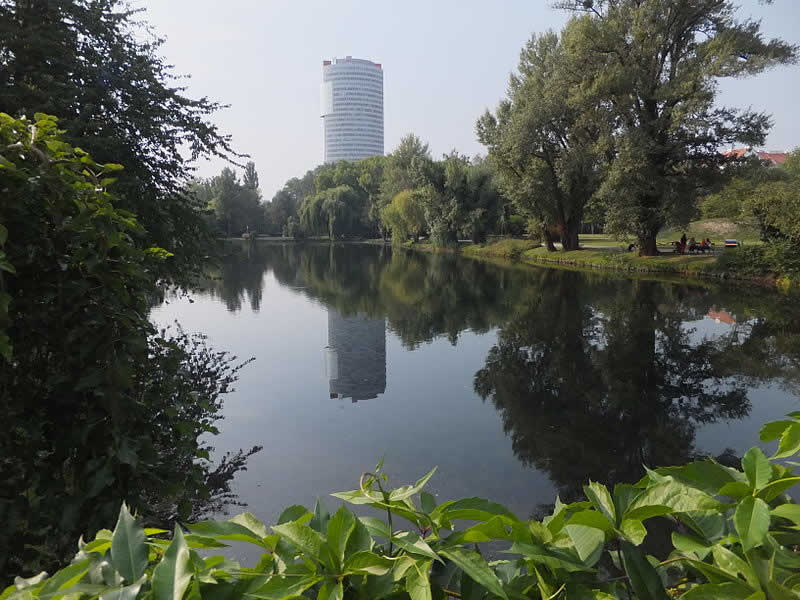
point(734, 536)
point(103, 405)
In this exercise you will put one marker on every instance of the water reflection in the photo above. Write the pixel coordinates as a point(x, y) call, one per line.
point(355, 356)
point(594, 381)
point(592, 376)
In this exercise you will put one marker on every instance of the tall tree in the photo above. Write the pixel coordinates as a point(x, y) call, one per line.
point(460, 199)
point(398, 174)
point(96, 65)
point(250, 176)
point(547, 142)
point(656, 65)
point(371, 175)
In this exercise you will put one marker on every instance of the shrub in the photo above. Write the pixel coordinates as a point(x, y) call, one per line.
point(515, 225)
point(779, 257)
point(734, 534)
point(100, 406)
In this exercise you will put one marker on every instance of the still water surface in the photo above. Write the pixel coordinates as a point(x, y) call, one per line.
point(519, 383)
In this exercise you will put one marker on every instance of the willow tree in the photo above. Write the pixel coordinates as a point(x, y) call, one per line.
point(656, 65)
point(545, 142)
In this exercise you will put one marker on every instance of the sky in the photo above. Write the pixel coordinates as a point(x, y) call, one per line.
point(444, 62)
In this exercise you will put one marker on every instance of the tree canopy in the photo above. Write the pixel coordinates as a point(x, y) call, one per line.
point(546, 141)
point(656, 66)
point(97, 67)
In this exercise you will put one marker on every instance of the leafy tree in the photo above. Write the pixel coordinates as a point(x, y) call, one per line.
point(404, 216)
point(459, 198)
point(546, 141)
point(370, 180)
point(656, 66)
point(97, 66)
point(774, 202)
point(103, 406)
point(483, 204)
point(278, 212)
point(334, 212)
point(236, 207)
point(286, 202)
point(250, 176)
point(398, 173)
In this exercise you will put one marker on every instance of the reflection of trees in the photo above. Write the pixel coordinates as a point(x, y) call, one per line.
point(239, 274)
point(593, 376)
point(595, 382)
point(422, 296)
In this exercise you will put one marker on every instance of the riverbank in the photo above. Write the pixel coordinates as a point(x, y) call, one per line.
point(683, 265)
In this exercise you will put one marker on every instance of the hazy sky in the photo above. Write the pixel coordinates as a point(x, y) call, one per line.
point(444, 61)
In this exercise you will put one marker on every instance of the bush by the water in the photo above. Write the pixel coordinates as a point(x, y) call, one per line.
point(780, 256)
point(734, 535)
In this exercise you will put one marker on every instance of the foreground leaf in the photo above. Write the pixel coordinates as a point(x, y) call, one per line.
point(128, 548)
point(643, 577)
point(587, 540)
point(173, 574)
point(719, 591)
point(474, 565)
point(751, 520)
point(305, 539)
point(279, 587)
point(757, 468)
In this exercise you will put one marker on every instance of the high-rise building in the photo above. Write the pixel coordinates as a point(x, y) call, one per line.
point(355, 356)
point(352, 108)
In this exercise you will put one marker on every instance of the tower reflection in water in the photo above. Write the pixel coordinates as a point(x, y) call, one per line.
point(356, 356)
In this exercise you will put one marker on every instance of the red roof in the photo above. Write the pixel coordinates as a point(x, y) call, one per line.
point(736, 153)
point(777, 158)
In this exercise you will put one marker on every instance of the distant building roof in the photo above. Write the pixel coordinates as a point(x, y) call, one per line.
point(776, 158)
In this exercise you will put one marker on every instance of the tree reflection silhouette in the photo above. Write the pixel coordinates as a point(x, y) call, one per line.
point(595, 383)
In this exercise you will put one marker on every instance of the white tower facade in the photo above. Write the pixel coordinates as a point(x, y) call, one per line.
point(352, 108)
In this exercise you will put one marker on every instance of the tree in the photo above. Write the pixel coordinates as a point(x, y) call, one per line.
point(404, 216)
point(250, 176)
point(740, 183)
point(235, 205)
point(546, 141)
point(370, 180)
point(458, 198)
point(97, 66)
point(104, 407)
point(483, 204)
point(656, 64)
point(774, 202)
point(443, 185)
point(398, 173)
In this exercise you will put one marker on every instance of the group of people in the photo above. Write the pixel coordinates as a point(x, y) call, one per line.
point(692, 245)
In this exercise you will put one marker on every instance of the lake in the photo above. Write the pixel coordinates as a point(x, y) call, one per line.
point(519, 383)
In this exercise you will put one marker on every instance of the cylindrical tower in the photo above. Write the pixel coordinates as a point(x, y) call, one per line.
point(352, 108)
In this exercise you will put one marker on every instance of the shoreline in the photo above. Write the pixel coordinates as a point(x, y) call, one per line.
point(685, 267)
point(511, 251)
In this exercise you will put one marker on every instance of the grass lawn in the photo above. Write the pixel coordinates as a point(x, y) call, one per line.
point(717, 229)
point(630, 261)
point(504, 248)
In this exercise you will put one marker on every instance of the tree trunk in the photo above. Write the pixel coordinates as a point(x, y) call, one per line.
point(569, 236)
point(647, 245)
point(547, 237)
